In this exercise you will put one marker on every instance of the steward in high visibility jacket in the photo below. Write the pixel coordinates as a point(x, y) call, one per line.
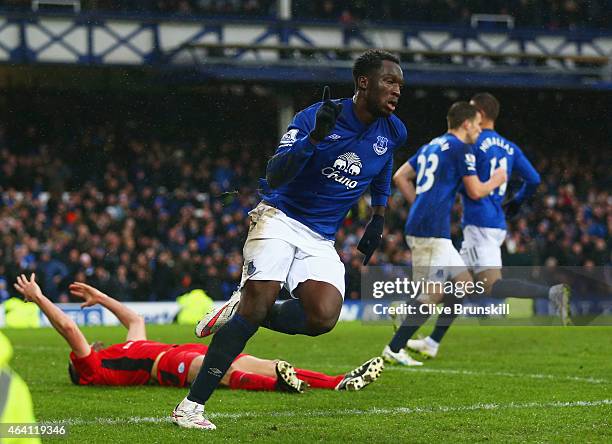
point(15, 399)
point(20, 314)
point(193, 306)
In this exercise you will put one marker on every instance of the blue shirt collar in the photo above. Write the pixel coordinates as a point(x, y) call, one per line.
point(348, 112)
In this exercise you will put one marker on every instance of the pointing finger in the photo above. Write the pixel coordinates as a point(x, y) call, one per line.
point(326, 93)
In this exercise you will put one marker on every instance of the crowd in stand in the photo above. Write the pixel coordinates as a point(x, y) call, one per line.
point(147, 206)
point(146, 219)
point(548, 14)
point(147, 229)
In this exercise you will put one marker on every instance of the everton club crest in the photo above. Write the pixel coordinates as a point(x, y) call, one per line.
point(380, 146)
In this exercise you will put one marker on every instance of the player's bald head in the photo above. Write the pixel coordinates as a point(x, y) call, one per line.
point(487, 104)
point(370, 62)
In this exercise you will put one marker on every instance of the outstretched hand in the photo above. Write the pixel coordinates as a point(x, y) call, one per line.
point(89, 294)
point(28, 288)
point(326, 117)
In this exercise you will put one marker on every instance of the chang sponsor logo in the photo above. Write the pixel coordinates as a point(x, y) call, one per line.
point(345, 165)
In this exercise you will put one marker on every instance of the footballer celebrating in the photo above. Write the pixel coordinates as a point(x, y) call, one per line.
point(439, 168)
point(330, 155)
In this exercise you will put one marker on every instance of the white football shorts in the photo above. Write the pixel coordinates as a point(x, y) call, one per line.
point(434, 258)
point(279, 248)
point(481, 247)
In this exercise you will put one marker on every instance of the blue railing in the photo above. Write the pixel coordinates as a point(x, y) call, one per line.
point(444, 54)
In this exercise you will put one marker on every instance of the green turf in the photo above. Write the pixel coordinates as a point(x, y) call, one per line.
point(487, 384)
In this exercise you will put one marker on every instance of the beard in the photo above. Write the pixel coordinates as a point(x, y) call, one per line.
point(376, 108)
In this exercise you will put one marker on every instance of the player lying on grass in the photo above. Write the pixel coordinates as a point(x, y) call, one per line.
point(139, 361)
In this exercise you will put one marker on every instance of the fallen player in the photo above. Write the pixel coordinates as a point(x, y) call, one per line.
point(139, 361)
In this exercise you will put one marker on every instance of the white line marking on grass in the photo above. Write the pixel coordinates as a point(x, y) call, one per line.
point(506, 374)
point(345, 412)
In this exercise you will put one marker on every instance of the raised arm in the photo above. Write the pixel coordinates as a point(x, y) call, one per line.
point(298, 144)
point(62, 323)
point(130, 319)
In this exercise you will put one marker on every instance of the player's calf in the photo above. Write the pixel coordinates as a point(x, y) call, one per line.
point(322, 304)
point(316, 327)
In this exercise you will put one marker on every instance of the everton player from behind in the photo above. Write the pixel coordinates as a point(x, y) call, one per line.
point(439, 169)
point(484, 224)
point(331, 154)
point(139, 361)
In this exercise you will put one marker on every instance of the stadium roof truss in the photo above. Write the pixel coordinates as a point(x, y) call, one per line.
point(310, 51)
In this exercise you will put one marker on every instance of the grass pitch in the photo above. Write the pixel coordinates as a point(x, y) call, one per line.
point(535, 384)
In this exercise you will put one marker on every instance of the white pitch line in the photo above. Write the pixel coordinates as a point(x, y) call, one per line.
point(505, 374)
point(345, 412)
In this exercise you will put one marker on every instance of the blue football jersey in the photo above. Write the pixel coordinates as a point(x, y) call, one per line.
point(440, 166)
point(493, 151)
point(350, 159)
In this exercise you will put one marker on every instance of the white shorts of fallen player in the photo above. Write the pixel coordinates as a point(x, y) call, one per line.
point(481, 247)
point(434, 259)
point(279, 248)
